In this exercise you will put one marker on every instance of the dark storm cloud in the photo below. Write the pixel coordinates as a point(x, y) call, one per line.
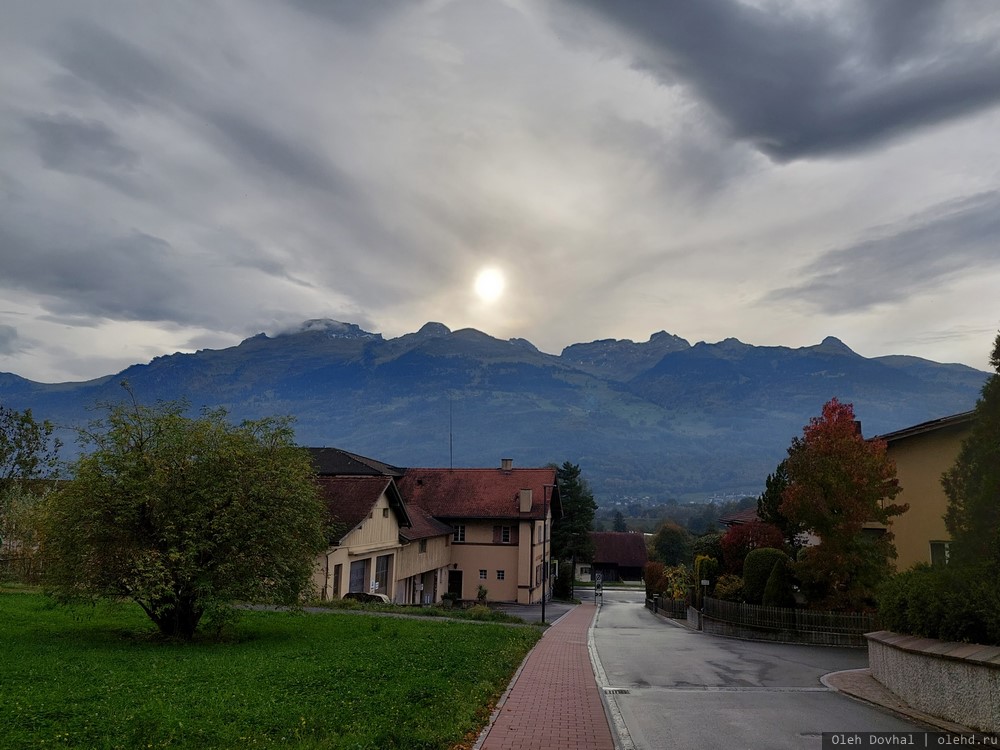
point(925, 253)
point(249, 142)
point(8, 339)
point(796, 84)
point(130, 277)
point(116, 67)
point(84, 147)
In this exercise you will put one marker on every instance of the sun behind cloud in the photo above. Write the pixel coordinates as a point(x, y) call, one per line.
point(490, 284)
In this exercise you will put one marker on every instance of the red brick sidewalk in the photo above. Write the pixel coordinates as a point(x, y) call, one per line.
point(554, 702)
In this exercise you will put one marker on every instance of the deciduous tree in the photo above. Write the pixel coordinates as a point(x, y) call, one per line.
point(742, 539)
point(837, 482)
point(28, 452)
point(184, 515)
point(769, 507)
point(671, 544)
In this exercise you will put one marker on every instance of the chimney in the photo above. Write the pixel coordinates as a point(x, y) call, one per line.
point(524, 497)
point(506, 464)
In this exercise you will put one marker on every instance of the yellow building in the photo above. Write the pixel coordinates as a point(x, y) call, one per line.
point(923, 453)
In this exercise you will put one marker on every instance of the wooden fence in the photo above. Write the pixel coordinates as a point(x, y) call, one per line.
point(781, 624)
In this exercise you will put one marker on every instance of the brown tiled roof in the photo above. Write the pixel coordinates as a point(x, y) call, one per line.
point(740, 517)
point(479, 493)
point(337, 462)
point(623, 548)
point(423, 525)
point(349, 500)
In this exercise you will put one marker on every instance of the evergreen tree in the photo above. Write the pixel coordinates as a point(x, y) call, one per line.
point(619, 523)
point(973, 483)
point(769, 506)
point(571, 538)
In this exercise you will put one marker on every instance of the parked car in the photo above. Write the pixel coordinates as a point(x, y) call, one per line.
point(362, 596)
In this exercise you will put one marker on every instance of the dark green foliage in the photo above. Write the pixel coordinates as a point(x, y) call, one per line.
point(709, 545)
point(184, 516)
point(950, 603)
point(618, 524)
point(743, 538)
point(571, 538)
point(769, 506)
point(671, 544)
point(779, 592)
point(563, 587)
point(757, 569)
point(27, 448)
point(706, 568)
point(973, 483)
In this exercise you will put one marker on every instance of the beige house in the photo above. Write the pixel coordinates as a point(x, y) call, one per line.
point(922, 453)
point(500, 520)
point(415, 534)
point(424, 560)
point(366, 514)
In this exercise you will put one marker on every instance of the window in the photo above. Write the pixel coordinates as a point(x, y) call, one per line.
point(504, 535)
point(459, 535)
point(423, 546)
point(482, 574)
point(385, 512)
point(499, 575)
point(940, 553)
point(584, 570)
point(382, 564)
point(539, 534)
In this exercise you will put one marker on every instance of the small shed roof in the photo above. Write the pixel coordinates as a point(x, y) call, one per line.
point(622, 548)
point(423, 526)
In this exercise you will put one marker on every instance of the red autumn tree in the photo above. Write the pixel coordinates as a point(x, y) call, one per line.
point(739, 541)
point(838, 482)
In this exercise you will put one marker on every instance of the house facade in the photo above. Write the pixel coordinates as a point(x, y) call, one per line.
point(366, 514)
point(923, 453)
point(501, 521)
point(416, 534)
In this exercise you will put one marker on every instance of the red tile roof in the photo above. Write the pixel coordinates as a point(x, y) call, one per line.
point(479, 493)
point(349, 500)
point(423, 525)
point(623, 548)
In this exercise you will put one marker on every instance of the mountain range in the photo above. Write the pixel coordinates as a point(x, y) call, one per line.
point(661, 418)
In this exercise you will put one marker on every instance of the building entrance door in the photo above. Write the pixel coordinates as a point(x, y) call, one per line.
point(455, 583)
point(358, 575)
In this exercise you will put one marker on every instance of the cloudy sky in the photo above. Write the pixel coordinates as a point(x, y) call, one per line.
point(182, 175)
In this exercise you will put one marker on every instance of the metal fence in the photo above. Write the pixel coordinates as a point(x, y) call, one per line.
point(675, 608)
point(799, 625)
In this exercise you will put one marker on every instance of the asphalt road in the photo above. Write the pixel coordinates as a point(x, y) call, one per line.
point(674, 688)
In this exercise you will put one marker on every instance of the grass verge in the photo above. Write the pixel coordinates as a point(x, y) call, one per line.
point(99, 677)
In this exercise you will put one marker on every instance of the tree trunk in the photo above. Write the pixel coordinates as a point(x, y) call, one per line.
point(176, 619)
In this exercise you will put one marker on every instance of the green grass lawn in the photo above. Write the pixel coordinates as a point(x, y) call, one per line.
point(98, 677)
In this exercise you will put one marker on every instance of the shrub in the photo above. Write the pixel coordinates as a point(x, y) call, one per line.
point(757, 569)
point(729, 588)
point(949, 603)
point(778, 592)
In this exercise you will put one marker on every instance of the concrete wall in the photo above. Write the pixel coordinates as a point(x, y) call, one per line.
point(959, 682)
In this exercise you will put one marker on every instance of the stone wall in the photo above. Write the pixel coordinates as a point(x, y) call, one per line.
point(959, 682)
